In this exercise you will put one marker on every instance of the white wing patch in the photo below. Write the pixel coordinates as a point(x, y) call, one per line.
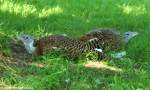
point(98, 49)
point(54, 47)
point(93, 39)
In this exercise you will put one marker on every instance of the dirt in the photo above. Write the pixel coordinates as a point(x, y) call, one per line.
point(18, 57)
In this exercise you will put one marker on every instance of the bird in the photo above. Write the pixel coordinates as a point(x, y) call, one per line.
point(72, 47)
point(107, 38)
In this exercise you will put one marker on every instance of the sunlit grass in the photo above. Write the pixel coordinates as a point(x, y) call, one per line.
point(39, 65)
point(102, 65)
point(133, 9)
point(11, 7)
point(48, 11)
point(16, 88)
point(26, 9)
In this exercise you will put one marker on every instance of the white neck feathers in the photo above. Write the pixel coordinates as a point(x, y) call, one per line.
point(30, 47)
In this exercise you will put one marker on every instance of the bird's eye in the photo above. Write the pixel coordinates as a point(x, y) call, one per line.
point(26, 37)
point(127, 34)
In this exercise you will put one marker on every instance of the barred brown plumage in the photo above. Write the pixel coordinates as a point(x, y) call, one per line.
point(73, 47)
point(107, 38)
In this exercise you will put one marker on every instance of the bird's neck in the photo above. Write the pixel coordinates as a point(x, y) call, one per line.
point(126, 40)
point(30, 47)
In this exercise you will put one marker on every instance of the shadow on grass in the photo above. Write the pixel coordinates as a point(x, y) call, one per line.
point(57, 24)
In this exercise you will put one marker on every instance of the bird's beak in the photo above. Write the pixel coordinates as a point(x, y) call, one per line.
point(135, 34)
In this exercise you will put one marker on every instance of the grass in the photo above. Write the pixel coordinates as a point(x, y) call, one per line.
point(74, 18)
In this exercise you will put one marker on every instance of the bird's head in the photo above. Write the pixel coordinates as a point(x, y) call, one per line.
point(28, 41)
point(128, 35)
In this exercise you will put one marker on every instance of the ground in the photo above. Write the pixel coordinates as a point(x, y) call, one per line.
point(73, 18)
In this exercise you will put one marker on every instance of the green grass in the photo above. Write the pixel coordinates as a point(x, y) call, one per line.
point(74, 18)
